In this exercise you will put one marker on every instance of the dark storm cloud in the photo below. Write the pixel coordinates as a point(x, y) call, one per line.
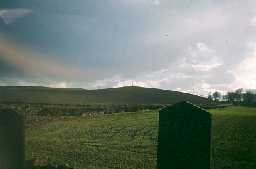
point(97, 34)
point(155, 43)
point(7, 70)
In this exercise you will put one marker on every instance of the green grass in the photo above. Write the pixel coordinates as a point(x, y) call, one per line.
point(126, 140)
point(129, 140)
point(234, 138)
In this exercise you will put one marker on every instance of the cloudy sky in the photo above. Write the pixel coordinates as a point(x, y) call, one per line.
point(193, 46)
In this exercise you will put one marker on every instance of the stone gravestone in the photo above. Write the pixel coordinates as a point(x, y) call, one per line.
point(184, 137)
point(11, 140)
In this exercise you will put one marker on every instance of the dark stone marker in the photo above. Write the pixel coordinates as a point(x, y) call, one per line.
point(11, 140)
point(184, 137)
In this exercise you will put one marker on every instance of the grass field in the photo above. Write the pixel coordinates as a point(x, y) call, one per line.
point(234, 138)
point(129, 140)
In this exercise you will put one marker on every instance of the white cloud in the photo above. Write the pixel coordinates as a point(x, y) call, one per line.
point(3, 84)
point(205, 67)
point(253, 21)
point(60, 85)
point(245, 72)
point(11, 15)
point(156, 2)
point(189, 73)
point(147, 83)
point(142, 2)
point(202, 57)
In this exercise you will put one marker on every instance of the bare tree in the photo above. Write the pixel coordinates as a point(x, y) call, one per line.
point(216, 96)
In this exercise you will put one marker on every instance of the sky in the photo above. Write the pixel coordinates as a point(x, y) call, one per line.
point(191, 46)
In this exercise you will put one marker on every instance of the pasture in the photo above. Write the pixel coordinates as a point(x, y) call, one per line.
point(129, 140)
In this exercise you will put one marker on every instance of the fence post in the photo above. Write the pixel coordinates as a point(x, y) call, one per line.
point(11, 140)
point(184, 140)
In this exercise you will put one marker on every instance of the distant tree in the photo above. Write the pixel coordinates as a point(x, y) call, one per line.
point(231, 97)
point(210, 97)
point(225, 98)
point(216, 96)
point(249, 98)
point(239, 95)
point(235, 97)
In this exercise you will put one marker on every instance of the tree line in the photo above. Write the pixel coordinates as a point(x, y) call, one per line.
point(237, 97)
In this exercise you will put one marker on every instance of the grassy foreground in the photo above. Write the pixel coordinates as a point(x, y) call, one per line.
point(129, 140)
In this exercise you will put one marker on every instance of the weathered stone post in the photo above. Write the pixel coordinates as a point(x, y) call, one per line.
point(11, 140)
point(184, 137)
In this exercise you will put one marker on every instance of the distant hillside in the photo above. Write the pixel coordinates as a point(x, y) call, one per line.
point(123, 95)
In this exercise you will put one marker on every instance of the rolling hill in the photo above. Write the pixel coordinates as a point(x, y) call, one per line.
point(123, 95)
